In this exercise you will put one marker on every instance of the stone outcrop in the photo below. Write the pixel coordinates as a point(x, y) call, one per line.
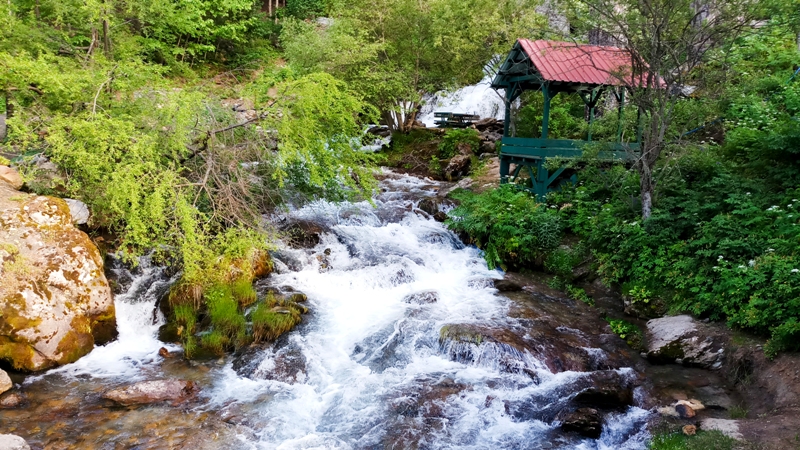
point(55, 301)
point(13, 442)
point(585, 421)
point(5, 381)
point(156, 391)
point(10, 176)
point(683, 340)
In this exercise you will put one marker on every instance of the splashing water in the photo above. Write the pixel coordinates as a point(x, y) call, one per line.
point(370, 367)
point(478, 99)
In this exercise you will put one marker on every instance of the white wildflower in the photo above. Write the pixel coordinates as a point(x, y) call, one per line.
point(795, 270)
point(751, 263)
point(742, 267)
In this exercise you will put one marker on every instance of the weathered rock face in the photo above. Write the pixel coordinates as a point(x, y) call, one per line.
point(5, 381)
point(681, 339)
point(11, 177)
point(13, 442)
point(156, 391)
point(55, 301)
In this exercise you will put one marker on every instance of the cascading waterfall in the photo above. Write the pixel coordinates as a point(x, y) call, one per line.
point(478, 99)
point(373, 365)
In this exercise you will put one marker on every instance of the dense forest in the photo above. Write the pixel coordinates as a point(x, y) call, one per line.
point(131, 100)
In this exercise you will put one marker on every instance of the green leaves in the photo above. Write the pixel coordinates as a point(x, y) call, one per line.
point(508, 224)
point(319, 134)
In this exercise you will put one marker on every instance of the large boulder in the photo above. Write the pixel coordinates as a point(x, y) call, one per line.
point(13, 442)
point(5, 381)
point(11, 176)
point(156, 391)
point(683, 340)
point(55, 301)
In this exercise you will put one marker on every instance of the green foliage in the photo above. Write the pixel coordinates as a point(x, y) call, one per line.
point(319, 145)
point(303, 9)
point(701, 441)
point(243, 292)
point(627, 331)
point(394, 51)
point(227, 321)
point(507, 224)
point(448, 147)
point(577, 293)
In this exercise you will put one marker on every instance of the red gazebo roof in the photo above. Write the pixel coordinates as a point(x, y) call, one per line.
point(579, 63)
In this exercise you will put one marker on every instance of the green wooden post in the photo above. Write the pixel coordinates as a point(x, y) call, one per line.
point(504, 167)
point(509, 98)
point(540, 182)
point(546, 113)
point(621, 98)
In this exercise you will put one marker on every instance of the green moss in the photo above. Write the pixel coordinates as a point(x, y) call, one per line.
point(460, 333)
point(19, 355)
point(271, 322)
point(186, 318)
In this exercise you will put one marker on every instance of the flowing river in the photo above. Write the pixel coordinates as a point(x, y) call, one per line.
point(408, 345)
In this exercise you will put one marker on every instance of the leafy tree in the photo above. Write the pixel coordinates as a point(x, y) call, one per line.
point(393, 52)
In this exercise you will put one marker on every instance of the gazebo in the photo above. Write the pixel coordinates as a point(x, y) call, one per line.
point(552, 68)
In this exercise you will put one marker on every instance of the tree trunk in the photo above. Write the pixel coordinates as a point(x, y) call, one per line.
point(646, 188)
point(106, 39)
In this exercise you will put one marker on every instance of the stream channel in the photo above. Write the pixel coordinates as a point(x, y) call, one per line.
point(408, 345)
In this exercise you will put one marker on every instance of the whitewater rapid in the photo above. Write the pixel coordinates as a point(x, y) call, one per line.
point(373, 371)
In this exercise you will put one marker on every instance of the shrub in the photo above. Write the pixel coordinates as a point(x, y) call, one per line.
point(627, 331)
point(448, 148)
point(507, 224)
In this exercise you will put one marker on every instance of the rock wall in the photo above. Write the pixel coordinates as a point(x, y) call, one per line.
point(55, 301)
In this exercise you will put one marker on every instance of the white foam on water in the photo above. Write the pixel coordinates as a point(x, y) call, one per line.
point(478, 99)
point(138, 321)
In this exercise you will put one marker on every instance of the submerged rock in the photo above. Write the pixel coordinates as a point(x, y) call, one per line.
point(683, 340)
point(147, 392)
point(55, 301)
point(422, 298)
point(13, 442)
point(12, 400)
point(585, 421)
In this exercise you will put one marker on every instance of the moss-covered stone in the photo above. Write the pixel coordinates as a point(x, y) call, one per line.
point(54, 299)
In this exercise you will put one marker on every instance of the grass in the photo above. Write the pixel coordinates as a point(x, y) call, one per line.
point(703, 440)
point(244, 292)
point(224, 312)
point(738, 412)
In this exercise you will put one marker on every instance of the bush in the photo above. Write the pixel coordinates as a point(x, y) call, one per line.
point(448, 148)
point(508, 224)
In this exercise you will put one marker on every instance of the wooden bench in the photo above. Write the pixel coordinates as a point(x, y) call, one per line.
point(454, 120)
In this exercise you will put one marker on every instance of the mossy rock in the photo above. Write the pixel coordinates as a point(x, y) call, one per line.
point(55, 301)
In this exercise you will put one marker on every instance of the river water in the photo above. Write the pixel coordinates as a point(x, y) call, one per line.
point(407, 345)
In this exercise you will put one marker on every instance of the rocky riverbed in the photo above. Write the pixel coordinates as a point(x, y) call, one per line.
point(410, 342)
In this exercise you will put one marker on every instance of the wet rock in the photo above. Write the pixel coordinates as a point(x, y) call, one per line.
point(13, 442)
point(428, 205)
point(381, 131)
point(286, 258)
point(585, 421)
point(11, 400)
point(297, 297)
point(463, 184)
point(684, 340)
point(440, 216)
point(608, 389)
point(422, 298)
point(11, 176)
point(729, 428)
point(163, 352)
point(287, 365)
point(457, 167)
point(148, 392)
point(506, 285)
point(55, 301)
point(303, 233)
point(689, 430)
point(5, 381)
